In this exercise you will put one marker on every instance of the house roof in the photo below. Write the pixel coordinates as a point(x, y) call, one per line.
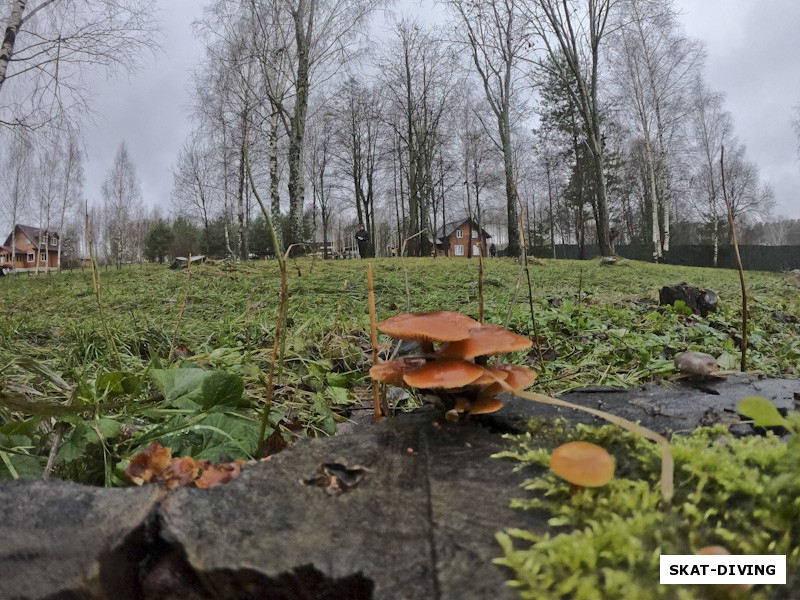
point(448, 228)
point(32, 233)
point(8, 249)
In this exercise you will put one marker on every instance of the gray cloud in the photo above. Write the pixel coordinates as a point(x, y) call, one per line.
point(752, 58)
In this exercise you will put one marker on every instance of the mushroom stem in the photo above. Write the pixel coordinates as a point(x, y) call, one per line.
point(575, 489)
point(427, 347)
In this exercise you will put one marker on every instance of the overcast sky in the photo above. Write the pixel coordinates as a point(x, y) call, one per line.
point(752, 45)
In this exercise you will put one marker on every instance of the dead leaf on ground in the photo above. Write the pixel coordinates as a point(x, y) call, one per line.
point(156, 465)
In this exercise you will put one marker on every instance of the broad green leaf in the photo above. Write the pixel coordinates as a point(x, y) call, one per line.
point(337, 395)
point(217, 436)
point(19, 466)
point(74, 446)
point(762, 411)
point(221, 389)
point(179, 385)
point(117, 383)
point(109, 428)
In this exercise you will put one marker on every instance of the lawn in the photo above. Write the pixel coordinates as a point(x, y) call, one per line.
point(88, 381)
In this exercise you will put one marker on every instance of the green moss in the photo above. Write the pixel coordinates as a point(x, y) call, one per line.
point(604, 543)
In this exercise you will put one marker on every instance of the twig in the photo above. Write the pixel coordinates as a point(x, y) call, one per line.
point(279, 328)
point(405, 267)
point(480, 286)
point(743, 364)
point(525, 266)
point(374, 335)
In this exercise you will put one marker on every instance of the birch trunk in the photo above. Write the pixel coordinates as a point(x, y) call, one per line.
point(12, 28)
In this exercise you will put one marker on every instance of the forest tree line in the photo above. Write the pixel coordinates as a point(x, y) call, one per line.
point(585, 122)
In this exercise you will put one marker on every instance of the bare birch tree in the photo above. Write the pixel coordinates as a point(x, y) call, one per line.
point(713, 127)
point(194, 192)
point(17, 178)
point(357, 112)
point(49, 45)
point(498, 45)
point(420, 79)
point(121, 192)
point(572, 33)
point(655, 65)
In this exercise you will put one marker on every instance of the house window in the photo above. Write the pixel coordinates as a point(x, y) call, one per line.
point(53, 241)
point(43, 256)
point(458, 249)
point(474, 234)
point(30, 257)
point(459, 233)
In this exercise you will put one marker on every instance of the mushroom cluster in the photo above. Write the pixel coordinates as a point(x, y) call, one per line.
point(457, 371)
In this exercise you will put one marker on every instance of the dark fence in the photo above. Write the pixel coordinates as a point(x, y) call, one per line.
point(754, 258)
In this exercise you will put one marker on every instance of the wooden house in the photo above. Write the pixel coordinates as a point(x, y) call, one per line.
point(462, 239)
point(36, 248)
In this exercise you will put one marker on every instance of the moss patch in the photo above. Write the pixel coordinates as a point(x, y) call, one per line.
point(604, 543)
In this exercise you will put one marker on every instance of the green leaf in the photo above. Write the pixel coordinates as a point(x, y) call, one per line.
point(221, 389)
point(109, 428)
point(339, 380)
point(179, 385)
point(74, 447)
point(325, 417)
point(762, 411)
point(337, 395)
point(117, 383)
point(218, 436)
point(19, 466)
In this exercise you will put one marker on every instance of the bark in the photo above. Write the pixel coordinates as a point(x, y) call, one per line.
point(12, 28)
point(274, 181)
point(303, 17)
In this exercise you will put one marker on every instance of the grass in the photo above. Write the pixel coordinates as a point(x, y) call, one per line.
point(596, 325)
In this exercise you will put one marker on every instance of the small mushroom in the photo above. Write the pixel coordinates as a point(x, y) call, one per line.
point(392, 371)
point(444, 374)
point(426, 328)
point(485, 340)
point(582, 464)
point(480, 406)
point(485, 405)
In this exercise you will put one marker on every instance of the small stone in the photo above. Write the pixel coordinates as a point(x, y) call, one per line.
point(696, 364)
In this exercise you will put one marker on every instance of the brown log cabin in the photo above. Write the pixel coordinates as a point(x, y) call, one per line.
point(35, 248)
point(462, 239)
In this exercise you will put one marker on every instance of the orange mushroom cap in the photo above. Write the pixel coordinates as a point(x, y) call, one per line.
point(444, 374)
point(439, 326)
point(582, 464)
point(392, 371)
point(485, 405)
point(484, 340)
point(517, 378)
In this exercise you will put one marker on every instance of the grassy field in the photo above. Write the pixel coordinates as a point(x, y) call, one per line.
point(86, 384)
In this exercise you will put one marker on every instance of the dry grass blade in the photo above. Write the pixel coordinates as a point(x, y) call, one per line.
point(405, 267)
point(732, 226)
point(374, 337)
